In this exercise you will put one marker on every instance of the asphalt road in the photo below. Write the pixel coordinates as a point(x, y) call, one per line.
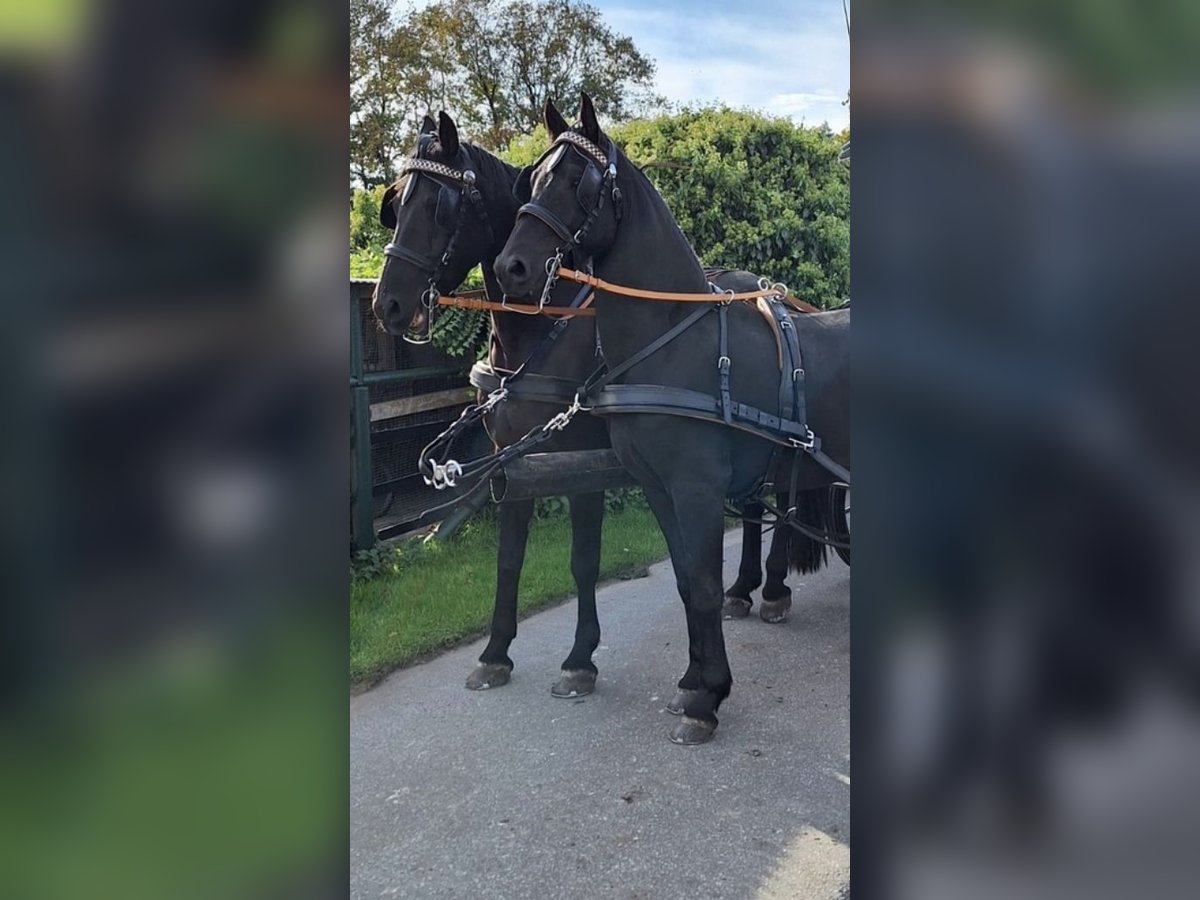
point(510, 793)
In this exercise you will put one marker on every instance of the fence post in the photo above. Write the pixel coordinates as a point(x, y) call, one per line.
point(362, 508)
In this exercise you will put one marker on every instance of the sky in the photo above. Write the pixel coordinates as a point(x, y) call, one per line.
point(782, 57)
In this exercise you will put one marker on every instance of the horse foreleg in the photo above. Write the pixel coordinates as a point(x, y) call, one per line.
point(495, 667)
point(701, 524)
point(578, 675)
point(660, 504)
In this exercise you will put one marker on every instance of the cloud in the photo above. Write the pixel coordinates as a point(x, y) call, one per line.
point(793, 63)
point(782, 57)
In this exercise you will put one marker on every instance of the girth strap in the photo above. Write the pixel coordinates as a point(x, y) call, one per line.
point(530, 386)
point(619, 398)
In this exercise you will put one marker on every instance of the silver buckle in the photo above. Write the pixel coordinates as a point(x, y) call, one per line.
point(494, 398)
point(444, 476)
point(805, 443)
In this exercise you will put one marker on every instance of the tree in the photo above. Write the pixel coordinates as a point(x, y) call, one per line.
point(494, 63)
point(516, 55)
point(753, 193)
point(750, 192)
point(393, 82)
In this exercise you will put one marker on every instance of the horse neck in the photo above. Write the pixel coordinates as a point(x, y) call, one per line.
point(496, 186)
point(649, 252)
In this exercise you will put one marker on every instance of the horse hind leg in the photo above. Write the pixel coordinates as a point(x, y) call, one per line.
point(495, 667)
point(815, 508)
point(776, 595)
point(578, 676)
point(737, 599)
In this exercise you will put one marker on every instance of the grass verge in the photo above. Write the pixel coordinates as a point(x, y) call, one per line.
point(442, 593)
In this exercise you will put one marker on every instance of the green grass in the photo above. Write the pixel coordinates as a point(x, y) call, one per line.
point(442, 594)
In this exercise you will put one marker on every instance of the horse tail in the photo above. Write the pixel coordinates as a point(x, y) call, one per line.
point(814, 508)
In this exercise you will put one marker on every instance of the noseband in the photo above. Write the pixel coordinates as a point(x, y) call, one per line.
point(465, 179)
point(598, 161)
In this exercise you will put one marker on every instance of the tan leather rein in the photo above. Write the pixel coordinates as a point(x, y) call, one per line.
point(477, 299)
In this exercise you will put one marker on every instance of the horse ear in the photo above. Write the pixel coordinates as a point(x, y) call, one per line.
point(428, 126)
point(447, 135)
point(555, 123)
point(387, 215)
point(587, 115)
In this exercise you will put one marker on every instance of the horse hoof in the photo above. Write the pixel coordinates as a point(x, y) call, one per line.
point(736, 607)
point(573, 683)
point(679, 701)
point(775, 611)
point(488, 675)
point(693, 731)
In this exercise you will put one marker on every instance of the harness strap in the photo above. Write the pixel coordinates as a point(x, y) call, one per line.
point(791, 376)
point(600, 378)
point(654, 398)
point(553, 222)
point(723, 363)
point(399, 251)
point(619, 398)
point(561, 312)
point(531, 386)
point(670, 296)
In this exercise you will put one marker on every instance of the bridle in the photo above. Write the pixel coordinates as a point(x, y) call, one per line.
point(434, 266)
point(599, 176)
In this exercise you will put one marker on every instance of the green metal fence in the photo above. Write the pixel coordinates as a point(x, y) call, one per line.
point(364, 486)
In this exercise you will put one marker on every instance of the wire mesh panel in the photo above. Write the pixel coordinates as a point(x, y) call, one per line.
point(397, 434)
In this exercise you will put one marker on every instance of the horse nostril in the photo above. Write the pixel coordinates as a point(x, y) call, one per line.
point(516, 268)
point(385, 307)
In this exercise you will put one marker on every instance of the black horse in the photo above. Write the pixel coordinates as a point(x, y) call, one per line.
point(590, 201)
point(440, 233)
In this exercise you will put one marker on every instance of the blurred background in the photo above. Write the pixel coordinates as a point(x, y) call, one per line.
point(173, 645)
point(1027, 630)
point(1026, 617)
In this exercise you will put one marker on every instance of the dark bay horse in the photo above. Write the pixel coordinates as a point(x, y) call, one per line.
point(595, 202)
point(440, 233)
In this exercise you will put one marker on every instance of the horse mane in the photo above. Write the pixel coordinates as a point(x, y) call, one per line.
point(493, 170)
point(632, 180)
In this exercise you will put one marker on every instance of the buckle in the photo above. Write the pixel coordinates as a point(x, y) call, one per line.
point(808, 442)
point(495, 397)
point(444, 476)
point(723, 365)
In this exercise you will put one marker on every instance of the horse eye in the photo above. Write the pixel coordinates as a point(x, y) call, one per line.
point(408, 188)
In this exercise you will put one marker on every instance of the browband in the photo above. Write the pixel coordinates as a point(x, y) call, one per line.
point(414, 164)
